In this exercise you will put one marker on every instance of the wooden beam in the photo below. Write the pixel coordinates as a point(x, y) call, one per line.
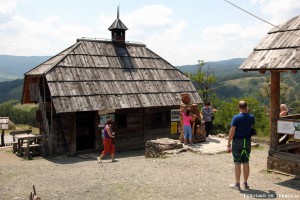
point(274, 109)
point(292, 145)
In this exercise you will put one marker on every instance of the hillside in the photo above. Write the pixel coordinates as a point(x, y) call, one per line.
point(224, 70)
point(11, 90)
point(13, 67)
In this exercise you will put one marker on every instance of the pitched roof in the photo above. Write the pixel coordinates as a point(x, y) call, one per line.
point(97, 75)
point(279, 50)
point(117, 24)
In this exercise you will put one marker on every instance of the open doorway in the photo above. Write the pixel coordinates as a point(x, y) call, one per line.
point(85, 130)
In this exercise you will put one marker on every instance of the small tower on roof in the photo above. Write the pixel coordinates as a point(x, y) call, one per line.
point(118, 30)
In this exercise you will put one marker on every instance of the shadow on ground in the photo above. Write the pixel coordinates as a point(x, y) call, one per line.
point(293, 183)
point(92, 155)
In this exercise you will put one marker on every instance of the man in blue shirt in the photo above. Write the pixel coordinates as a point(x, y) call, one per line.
point(240, 135)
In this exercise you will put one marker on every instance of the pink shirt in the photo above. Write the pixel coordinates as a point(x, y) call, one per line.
point(186, 119)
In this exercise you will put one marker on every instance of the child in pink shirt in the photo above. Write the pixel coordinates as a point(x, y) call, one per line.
point(187, 126)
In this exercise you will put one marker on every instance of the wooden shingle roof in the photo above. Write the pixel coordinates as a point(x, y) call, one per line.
point(279, 50)
point(98, 75)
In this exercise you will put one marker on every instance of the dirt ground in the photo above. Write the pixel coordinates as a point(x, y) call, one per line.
point(186, 175)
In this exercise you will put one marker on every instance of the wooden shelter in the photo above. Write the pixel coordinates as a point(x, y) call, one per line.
point(277, 53)
point(81, 87)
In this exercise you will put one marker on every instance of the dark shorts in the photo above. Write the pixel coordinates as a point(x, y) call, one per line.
point(241, 149)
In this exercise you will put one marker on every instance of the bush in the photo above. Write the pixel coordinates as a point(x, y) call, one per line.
point(18, 116)
point(227, 109)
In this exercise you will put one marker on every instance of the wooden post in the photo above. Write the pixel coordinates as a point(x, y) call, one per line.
point(2, 138)
point(274, 109)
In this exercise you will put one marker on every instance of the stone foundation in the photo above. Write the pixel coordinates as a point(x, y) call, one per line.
point(288, 166)
point(156, 148)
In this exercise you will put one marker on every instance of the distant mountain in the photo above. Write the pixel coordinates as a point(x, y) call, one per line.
point(13, 67)
point(11, 90)
point(224, 70)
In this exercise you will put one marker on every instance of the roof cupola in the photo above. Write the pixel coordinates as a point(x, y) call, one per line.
point(118, 30)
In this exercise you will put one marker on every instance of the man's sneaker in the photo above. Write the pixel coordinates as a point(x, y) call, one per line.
point(235, 186)
point(114, 160)
point(99, 160)
point(246, 186)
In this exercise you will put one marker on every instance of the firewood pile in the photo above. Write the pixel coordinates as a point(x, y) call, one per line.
point(33, 195)
point(156, 148)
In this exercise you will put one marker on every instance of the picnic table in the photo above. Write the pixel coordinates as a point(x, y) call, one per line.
point(33, 142)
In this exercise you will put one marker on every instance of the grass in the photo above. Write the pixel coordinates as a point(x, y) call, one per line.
point(25, 107)
point(20, 127)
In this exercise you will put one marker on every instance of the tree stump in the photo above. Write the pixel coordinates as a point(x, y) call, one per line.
point(156, 148)
point(199, 133)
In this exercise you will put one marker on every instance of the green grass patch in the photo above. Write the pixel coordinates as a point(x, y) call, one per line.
point(25, 107)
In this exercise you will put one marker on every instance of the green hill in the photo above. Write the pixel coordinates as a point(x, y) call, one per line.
point(11, 90)
point(223, 70)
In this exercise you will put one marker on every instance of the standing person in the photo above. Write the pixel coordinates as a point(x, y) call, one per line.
point(207, 113)
point(108, 143)
point(240, 135)
point(187, 117)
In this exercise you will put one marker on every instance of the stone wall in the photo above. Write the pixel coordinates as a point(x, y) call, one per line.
point(288, 166)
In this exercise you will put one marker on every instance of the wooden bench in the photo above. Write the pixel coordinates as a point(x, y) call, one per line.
point(34, 149)
point(13, 133)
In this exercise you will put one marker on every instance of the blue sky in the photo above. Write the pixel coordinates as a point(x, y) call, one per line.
point(180, 31)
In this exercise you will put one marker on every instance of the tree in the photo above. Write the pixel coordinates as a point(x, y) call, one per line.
point(204, 81)
point(227, 109)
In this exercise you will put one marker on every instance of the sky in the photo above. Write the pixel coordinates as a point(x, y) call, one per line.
point(180, 31)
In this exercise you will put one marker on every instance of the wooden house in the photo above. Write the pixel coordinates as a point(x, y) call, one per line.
point(93, 80)
point(279, 52)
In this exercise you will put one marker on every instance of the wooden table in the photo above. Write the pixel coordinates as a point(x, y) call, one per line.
point(29, 138)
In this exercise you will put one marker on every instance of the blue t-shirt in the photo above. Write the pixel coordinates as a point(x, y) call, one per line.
point(243, 123)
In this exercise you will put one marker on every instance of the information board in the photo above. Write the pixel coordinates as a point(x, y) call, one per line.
point(175, 117)
point(285, 127)
point(4, 123)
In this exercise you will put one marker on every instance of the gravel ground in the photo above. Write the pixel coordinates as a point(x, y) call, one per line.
point(186, 175)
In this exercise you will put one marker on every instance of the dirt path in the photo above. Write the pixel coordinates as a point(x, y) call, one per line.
point(184, 176)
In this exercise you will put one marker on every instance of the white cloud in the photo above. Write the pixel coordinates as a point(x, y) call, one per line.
point(229, 41)
point(7, 6)
point(46, 37)
point(279, 10)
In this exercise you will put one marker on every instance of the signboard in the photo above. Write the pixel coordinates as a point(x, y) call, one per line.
point(4, 123)
point(174, 127)
point(104, 118)
point(175, 117)
point(297, 130)
point(286, 127)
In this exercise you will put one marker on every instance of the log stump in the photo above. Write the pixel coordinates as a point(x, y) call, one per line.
point(156, 148)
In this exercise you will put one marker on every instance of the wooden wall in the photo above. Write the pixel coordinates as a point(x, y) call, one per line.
point(133, 127)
